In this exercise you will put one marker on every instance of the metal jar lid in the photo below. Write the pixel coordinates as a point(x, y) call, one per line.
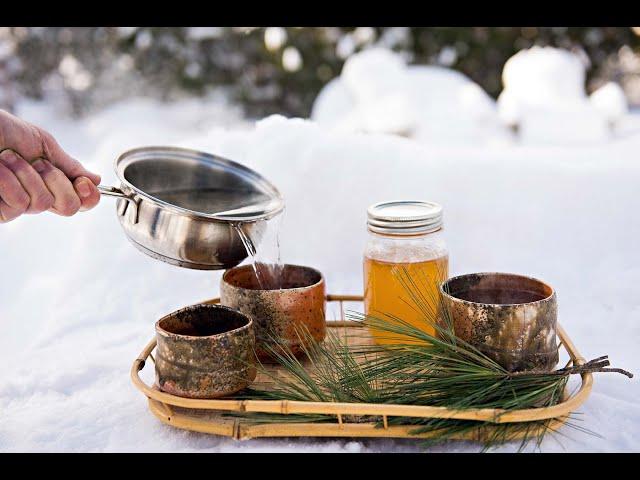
point(404, 217)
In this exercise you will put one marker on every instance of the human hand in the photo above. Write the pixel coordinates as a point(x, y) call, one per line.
point(36, 174)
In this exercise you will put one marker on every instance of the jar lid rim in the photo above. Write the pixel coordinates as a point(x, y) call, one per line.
point(406, 217)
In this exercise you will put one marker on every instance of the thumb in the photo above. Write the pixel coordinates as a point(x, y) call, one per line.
point(71, 167)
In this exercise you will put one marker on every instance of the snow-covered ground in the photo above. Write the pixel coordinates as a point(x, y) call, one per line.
point(78, 302)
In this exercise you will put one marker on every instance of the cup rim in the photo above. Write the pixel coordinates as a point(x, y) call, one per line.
point(166, 333)
point(457, 299)
point(224, 280)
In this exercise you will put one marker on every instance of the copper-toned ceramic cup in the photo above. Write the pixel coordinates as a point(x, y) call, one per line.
point(510, 318)
point(283, 314)
point(204, 351)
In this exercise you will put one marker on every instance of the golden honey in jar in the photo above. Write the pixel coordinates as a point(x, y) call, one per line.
point(405, 240)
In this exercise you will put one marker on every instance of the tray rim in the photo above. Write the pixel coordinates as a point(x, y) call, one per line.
point(559, 411)
point(239, 429)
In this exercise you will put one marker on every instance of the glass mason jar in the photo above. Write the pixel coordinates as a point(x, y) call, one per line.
point(406, 251)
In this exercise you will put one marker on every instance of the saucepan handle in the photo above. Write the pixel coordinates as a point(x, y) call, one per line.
point(114, 192)
point(117, 193)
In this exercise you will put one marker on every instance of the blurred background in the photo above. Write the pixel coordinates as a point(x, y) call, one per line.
point(274, 69)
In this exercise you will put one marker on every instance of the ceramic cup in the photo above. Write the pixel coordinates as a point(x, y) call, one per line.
point(204, 351)
point(510, 318)
point(282, 314)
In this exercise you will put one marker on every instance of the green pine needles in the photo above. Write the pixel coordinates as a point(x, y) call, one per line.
point(417, 369)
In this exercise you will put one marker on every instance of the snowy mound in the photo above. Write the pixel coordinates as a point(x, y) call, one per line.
point(450, 108)
point(543, 76)
point(544, 96)
point(333, 104)
point(611, 101)
point(378, 93)
point(371, 95)
point(374, 73)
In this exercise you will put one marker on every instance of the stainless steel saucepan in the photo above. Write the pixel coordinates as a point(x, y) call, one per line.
point(186, 207)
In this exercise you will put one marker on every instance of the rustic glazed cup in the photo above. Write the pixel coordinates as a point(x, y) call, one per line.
point(283, 314)
point(204, 351)
point(510, 318)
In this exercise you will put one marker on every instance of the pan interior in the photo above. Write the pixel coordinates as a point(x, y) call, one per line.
point(200, 186)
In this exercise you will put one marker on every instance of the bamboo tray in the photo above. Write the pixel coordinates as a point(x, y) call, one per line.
point(208, 416)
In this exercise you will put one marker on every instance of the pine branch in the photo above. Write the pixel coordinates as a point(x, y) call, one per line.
point(418, 369)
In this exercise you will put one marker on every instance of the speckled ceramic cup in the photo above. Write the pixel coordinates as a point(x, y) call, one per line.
point(204, 351)
point(280, 314)
point(510, 318)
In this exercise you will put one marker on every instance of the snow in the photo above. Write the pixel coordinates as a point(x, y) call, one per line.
point(78, 302)
point(544, 95)
point(544, 75)
point(544, 98)
point(610, 101)
point(577, 123)
point(333, 103)
point(373, 73)
point(378, 93)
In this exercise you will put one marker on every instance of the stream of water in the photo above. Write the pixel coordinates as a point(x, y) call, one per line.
point(263, 251)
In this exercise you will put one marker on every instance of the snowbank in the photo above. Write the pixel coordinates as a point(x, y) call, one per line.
point(78, 302)
point(544, 96)
point(544, 99)
point(378, 93)
point(611, 101)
